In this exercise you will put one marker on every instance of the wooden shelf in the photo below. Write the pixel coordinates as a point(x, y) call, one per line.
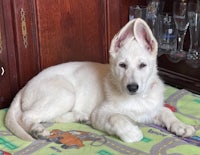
point(179, 73)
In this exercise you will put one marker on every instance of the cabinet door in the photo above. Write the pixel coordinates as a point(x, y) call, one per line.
point(71, 30)
point(25, 36)
point(8, 74)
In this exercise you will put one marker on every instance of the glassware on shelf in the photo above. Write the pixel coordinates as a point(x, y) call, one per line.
point(136, 11)
point(167, 41)
point(180, 15)
point(198, 4)
point(152, 15)
point(193, 56)
point(194, 28)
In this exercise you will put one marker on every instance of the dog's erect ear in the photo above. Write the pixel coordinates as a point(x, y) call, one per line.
point(135, 28)
point(121, 37)
point(144, 36)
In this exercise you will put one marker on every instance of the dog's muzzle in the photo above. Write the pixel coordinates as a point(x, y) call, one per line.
point(132, 88)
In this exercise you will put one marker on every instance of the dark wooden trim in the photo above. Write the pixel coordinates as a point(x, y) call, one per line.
point(179, 73)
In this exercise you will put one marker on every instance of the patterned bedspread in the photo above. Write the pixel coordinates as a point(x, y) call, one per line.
point(81, 139)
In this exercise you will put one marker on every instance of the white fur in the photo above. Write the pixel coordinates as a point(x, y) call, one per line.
point(99, 93)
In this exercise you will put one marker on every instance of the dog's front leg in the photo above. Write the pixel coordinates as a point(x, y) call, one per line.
point(124, 128)
point(167, 119)
point(119, 125)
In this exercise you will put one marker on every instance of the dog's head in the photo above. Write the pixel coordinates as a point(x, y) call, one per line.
point(133, 54)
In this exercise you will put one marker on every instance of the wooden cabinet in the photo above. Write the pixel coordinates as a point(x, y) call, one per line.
point(35, 34)
point(52, 32)
point(71, 30)
point(26, 44)
point(181, 74)
point(8, 69)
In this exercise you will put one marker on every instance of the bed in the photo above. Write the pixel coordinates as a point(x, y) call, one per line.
point(81, 139)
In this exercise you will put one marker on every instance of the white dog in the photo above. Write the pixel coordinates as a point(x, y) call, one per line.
point(113, 98)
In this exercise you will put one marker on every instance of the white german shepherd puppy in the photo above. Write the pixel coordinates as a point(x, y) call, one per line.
point(113, 98)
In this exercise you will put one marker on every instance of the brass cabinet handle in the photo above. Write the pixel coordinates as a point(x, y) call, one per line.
point(2, 71)
point(1, 50)
point(24, 29)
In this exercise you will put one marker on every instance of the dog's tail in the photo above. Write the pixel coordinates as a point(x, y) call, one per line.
point(12, 119)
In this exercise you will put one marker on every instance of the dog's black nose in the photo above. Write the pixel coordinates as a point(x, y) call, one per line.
point(132, 88)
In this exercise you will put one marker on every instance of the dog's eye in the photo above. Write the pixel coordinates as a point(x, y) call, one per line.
point(123, 65)
point(142, 65)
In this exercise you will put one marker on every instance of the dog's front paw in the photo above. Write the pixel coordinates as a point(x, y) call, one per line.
point(130, 135)
point(181, 129)
point(124, 129)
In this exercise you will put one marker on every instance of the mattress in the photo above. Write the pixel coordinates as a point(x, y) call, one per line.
point(81, 139)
